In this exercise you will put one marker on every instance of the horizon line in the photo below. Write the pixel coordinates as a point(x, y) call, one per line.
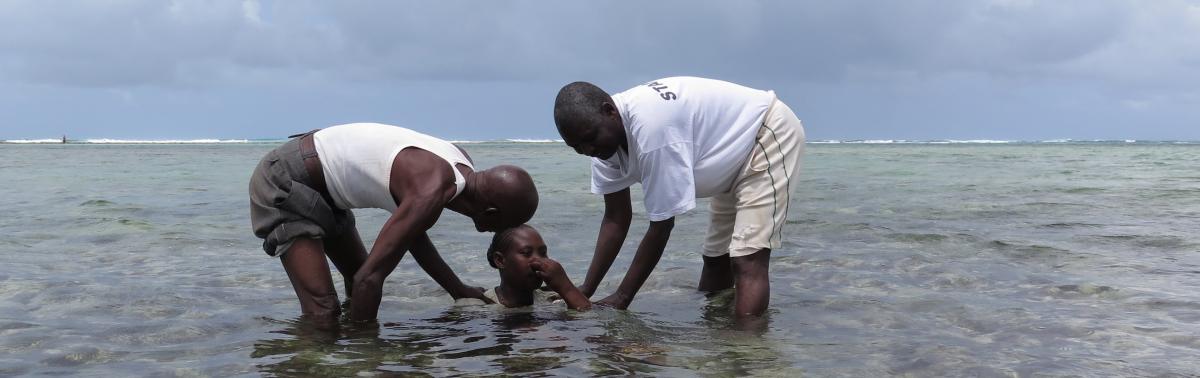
point(545, 141)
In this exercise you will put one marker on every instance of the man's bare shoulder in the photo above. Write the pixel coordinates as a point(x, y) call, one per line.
point(417, 169)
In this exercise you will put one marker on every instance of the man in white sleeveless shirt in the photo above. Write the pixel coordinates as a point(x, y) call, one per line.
point(684, 138)
point(301, 194)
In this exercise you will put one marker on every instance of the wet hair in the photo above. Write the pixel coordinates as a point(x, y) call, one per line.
point(578, 104)
point(501, 241)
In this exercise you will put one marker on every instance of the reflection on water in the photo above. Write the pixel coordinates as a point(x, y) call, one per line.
point(304, 347)
point(541, 340)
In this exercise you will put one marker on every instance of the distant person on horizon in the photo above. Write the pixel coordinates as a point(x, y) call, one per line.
point(684, 138)
point(301, 194)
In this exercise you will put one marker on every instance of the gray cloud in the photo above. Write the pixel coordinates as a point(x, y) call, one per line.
point(180, 42)
point(1140, 55)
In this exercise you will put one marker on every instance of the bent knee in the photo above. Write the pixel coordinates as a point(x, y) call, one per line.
point(752, 262)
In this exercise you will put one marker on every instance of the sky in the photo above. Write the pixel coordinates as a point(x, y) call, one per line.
point(485, 70)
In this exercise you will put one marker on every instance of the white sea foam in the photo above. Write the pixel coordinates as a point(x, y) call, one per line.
point(871, 141)
point(980, 141)
point(163, 141)
point(510, 140)
point(532, 140)
point(519, 140)
point(32, 141)
point(905, 141)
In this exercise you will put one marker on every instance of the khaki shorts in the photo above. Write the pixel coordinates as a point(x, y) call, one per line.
point(750, 217)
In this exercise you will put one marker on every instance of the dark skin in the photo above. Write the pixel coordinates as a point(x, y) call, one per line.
point(602, 139)
point(524, 266)
point(422, 185)
point(618, 214)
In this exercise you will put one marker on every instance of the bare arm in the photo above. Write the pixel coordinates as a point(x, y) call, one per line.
point(575, 299)
point(421, 184)
point(556, 278)
point(647, 256)
point(409, 220)
point(618, 213)
point(431, 262)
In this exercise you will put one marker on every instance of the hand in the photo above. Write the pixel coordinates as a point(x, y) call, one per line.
point(553, 296)
point(616, 300)
point(587, 290)
point(552, 273)
point(472, 292)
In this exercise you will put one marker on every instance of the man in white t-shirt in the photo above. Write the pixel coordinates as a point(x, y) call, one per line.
point(684, 138)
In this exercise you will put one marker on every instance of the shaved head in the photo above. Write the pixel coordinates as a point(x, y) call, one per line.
point(511, 191)
point(588, 120)
point(579, 105)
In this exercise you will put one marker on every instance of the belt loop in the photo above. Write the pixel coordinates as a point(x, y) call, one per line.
point(308, 147)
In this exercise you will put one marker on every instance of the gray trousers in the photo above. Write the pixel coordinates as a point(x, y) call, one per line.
point(284, 206)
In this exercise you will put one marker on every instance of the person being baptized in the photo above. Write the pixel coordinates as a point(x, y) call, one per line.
point(519, 253)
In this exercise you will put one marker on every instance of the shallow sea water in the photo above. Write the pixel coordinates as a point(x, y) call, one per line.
point(918, 260)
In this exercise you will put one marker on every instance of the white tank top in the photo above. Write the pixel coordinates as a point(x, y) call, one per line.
point(357, 161)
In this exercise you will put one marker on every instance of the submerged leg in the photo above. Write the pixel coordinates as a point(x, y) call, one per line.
point(753, 283)
point(309, 272)
point(717, 274)
point(348, 254)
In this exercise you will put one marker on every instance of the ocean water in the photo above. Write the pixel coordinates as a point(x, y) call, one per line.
point(975, 259)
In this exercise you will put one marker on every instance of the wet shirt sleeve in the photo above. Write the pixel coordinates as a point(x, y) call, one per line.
point(667, 181)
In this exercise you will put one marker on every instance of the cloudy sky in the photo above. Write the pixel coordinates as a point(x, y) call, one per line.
point(913, 69)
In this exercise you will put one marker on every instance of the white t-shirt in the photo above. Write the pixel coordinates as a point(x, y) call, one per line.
point(688, 138)
point(357, 161)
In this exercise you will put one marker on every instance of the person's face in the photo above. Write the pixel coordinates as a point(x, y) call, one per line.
point(599, 140)
point(525, 247)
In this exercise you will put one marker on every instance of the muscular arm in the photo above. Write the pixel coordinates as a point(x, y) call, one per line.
point(647, 256)
point(410, 220)
point(618, 213)
point(431, 262)
point(421, 184)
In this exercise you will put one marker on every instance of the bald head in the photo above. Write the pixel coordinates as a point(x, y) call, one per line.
point(510, 189)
